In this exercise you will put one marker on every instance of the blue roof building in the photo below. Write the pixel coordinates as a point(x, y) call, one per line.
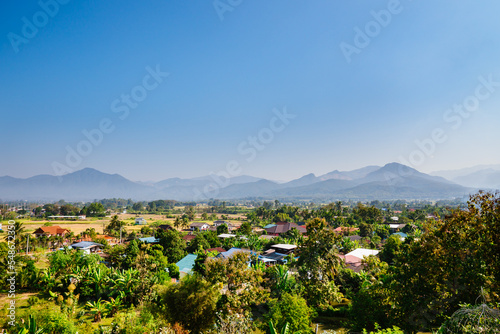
point(232, 251)
point(186, 264)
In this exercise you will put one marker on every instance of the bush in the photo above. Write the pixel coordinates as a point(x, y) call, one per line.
point(33, 300)
point(393, 330)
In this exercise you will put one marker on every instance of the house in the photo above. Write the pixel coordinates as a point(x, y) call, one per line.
point(87, 247)
point(362, 252)
point(354, 238)
point(346, 230)
point(216, 249)
point(186, 265)
point(354, 259)
point(188, 238)
point(49, 231)
point(199, 226)
point(271, 257)
point(111, 240)
point(166, 227)
point(226, 235)
point(396, 227)
point(140, 221)
point(230, 227)
point(284, 248)
point(352, 262)
point(401, 235)
point(220, 222)
point(149, 240)
point(230, 253)
point(283, 227)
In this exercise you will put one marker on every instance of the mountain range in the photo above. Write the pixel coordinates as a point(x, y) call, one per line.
point(482, 176)
point(392, 181)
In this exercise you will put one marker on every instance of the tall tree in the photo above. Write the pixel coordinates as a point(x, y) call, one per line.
point(318, 264)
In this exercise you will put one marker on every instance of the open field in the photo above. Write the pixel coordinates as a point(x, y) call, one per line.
point(78, 226)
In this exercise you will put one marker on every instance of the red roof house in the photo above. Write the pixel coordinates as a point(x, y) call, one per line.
point(51, 231)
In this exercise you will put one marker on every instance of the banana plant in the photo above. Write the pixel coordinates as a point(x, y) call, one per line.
point(31, 327)
point(284, 330)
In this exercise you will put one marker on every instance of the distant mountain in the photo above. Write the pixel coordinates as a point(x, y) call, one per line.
point(350, 175)
point(453, 174)
point(485, 179)
point(392, 181)
point(83, 185)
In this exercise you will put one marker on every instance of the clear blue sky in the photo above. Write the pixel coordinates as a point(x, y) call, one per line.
point(226, 77)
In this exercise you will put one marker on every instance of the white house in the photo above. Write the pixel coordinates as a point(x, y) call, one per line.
point(140, 221)
point(199, 226)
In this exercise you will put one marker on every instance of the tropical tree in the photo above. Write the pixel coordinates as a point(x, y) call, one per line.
point(291, 310)
point(318, 264)
point(192, 303)
point(97, 309)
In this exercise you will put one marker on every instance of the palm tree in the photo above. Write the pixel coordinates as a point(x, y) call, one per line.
point(96, 308)
point(113, 305)
point(70, 237)
point(177, 222)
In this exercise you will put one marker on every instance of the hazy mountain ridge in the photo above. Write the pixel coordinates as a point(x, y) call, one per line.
point(392, 181)
point(481, 176)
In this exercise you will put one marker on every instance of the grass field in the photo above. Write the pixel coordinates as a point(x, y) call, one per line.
point(78, 226)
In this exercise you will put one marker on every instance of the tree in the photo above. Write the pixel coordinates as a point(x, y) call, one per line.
point(222, 229)
point(318, 264)
point(245, 228)
point(139, 206)
point(241, 281)
point(173, 245)
point(291, 309)
point(366, 230)
point(114, 226)
point(189, 211)
point(391, 248)
point(449, 265)
point(96, 308)
point(94, 210)
point(192, 303)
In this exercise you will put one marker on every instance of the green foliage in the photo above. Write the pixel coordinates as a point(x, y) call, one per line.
point(450, 264)
point(378, 330)
point(471, 320)
point(292, 310)
point(192, 303)
point(245, 229)
point(173, 245)
point(221, 229)
point(114, 226)
point(318, 264)
point(33, 300)
point(391, 248)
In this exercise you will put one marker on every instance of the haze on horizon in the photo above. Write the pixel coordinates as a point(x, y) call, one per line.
point(274, 90)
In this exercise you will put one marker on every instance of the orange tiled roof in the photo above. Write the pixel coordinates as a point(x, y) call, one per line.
point(51, 230)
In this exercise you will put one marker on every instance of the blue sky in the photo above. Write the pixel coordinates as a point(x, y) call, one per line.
point(226, 76)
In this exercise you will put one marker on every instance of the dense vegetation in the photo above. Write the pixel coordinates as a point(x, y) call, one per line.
point(443, 276)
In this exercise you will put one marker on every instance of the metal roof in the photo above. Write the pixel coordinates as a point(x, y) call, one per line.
point(187, 263)
point(85, 244)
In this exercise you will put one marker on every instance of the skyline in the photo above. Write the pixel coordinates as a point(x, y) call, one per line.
point(361, 83)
